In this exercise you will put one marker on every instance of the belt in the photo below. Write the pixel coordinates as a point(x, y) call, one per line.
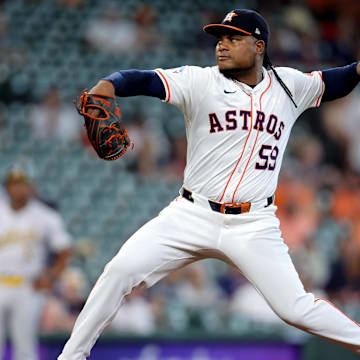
point(229, 208)
point(12, 281)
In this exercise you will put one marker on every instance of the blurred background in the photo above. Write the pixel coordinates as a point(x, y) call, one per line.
point(51, 49)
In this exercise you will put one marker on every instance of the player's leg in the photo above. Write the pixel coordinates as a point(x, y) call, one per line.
point(2, 333)
point(161, 246)
point(23, 324)
point(3, 310)
point(257, 249)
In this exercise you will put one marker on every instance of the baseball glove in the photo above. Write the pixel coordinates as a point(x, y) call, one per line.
point(106, 131)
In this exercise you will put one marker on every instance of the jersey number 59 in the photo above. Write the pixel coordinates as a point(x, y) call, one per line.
point(268, 155)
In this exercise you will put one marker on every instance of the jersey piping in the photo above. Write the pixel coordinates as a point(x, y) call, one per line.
point(247, 138)
point(257, 134)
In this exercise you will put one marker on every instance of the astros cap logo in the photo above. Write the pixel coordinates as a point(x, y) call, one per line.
point(229, 16)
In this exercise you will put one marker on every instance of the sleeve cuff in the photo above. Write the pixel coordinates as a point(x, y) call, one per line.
point(166, 84)
point(318, 100)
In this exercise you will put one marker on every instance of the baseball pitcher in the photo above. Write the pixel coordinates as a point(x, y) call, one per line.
point(238, 118)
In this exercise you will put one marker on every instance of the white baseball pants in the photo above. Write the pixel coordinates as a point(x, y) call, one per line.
point(185, 232)
point(20, 306)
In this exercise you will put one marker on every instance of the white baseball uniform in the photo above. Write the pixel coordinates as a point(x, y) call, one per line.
point(236, 138)
point(25, 236)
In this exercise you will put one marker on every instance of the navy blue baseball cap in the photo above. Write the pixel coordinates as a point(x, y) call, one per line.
point(241, 22)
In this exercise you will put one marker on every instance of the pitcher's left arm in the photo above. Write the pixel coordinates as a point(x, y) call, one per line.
point(340, 81)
